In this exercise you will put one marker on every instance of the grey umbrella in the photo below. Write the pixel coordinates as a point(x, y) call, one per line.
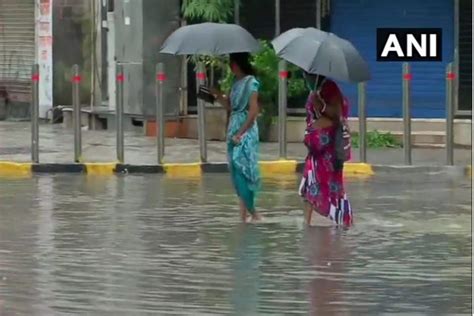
point(210, 39)
point(322, 53)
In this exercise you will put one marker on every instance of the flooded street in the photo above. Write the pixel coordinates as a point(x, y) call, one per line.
point(142, 245)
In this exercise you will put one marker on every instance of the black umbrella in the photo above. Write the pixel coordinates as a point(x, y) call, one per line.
point(210, 39)
point(322, 53)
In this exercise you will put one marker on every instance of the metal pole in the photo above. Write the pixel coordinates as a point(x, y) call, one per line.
point(407, 76)
point(277, 18)
point(160, 117)
point(237, 11)
point(362, 122)
point(76, 104)
point(450, 78)
point(119, 114)
point(183, 89)
point(35, 114)
point(282, 107)
point(318, 14)
point(96, 57)
point(201, 80)
point(111, 63)
point(456, 54)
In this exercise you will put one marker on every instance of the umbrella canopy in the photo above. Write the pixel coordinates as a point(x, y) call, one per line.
point(210, 39)
point(322, 53)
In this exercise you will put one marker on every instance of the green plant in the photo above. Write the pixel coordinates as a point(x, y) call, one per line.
point(208, 10)
point(376, 139)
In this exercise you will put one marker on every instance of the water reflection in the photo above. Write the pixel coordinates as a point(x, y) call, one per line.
point(328, 256)
point(247, 249)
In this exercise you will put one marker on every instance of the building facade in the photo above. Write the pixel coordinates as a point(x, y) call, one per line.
point(27, 29)
point(358, 20)
point(26, 38)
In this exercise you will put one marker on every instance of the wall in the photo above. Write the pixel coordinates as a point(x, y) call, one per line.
point(71, 45)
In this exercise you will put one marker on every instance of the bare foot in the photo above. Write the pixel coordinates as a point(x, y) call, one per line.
point(243, 212)
point(255, 218)
point(308, 212)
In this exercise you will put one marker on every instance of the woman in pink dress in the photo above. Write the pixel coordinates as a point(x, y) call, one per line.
point(328, 141)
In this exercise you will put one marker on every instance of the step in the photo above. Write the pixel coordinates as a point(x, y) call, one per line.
point(433, 146)
point(417, 125)
point(421, 137)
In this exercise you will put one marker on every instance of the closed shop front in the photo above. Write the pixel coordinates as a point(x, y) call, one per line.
point(358, 20)
point(465, 56)
point(17, 49)
point(258, 17)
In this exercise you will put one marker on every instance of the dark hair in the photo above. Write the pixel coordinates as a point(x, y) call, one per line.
point(243, 61)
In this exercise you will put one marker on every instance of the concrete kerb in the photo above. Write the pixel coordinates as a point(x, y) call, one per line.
point(454, 171)
point(58, 168)
point(189, 170)
point(138, 169)
point(15, 170)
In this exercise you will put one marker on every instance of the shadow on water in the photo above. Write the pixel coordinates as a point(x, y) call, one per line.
point(328, 256)
point(248, 252)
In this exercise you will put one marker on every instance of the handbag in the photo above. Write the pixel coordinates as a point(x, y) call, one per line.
point(205, 94)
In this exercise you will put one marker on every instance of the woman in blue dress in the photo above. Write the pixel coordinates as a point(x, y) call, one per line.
point(242, 134)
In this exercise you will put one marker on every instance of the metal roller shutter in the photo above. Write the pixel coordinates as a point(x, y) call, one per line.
point(465, 55)
point(17, 47)
point(358, 20)
point(297, 13)
point(258, 17)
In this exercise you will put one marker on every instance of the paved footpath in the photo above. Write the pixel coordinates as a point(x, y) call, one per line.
point(57, 146)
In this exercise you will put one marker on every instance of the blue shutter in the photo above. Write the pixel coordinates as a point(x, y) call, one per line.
point(465, 55)
point(358, 20)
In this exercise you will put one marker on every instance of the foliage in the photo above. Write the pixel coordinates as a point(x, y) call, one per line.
point(376, 139)
point(208, 10)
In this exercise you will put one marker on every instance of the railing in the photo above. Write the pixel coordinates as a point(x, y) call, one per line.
point(282, 109)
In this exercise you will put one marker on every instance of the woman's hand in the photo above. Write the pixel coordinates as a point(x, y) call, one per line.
point(215, 92)
point(236, 139)
point(221, 98)
point(252, 115)
point(318, 103)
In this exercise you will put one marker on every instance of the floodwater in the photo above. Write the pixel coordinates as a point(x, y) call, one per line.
point(148, 245)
